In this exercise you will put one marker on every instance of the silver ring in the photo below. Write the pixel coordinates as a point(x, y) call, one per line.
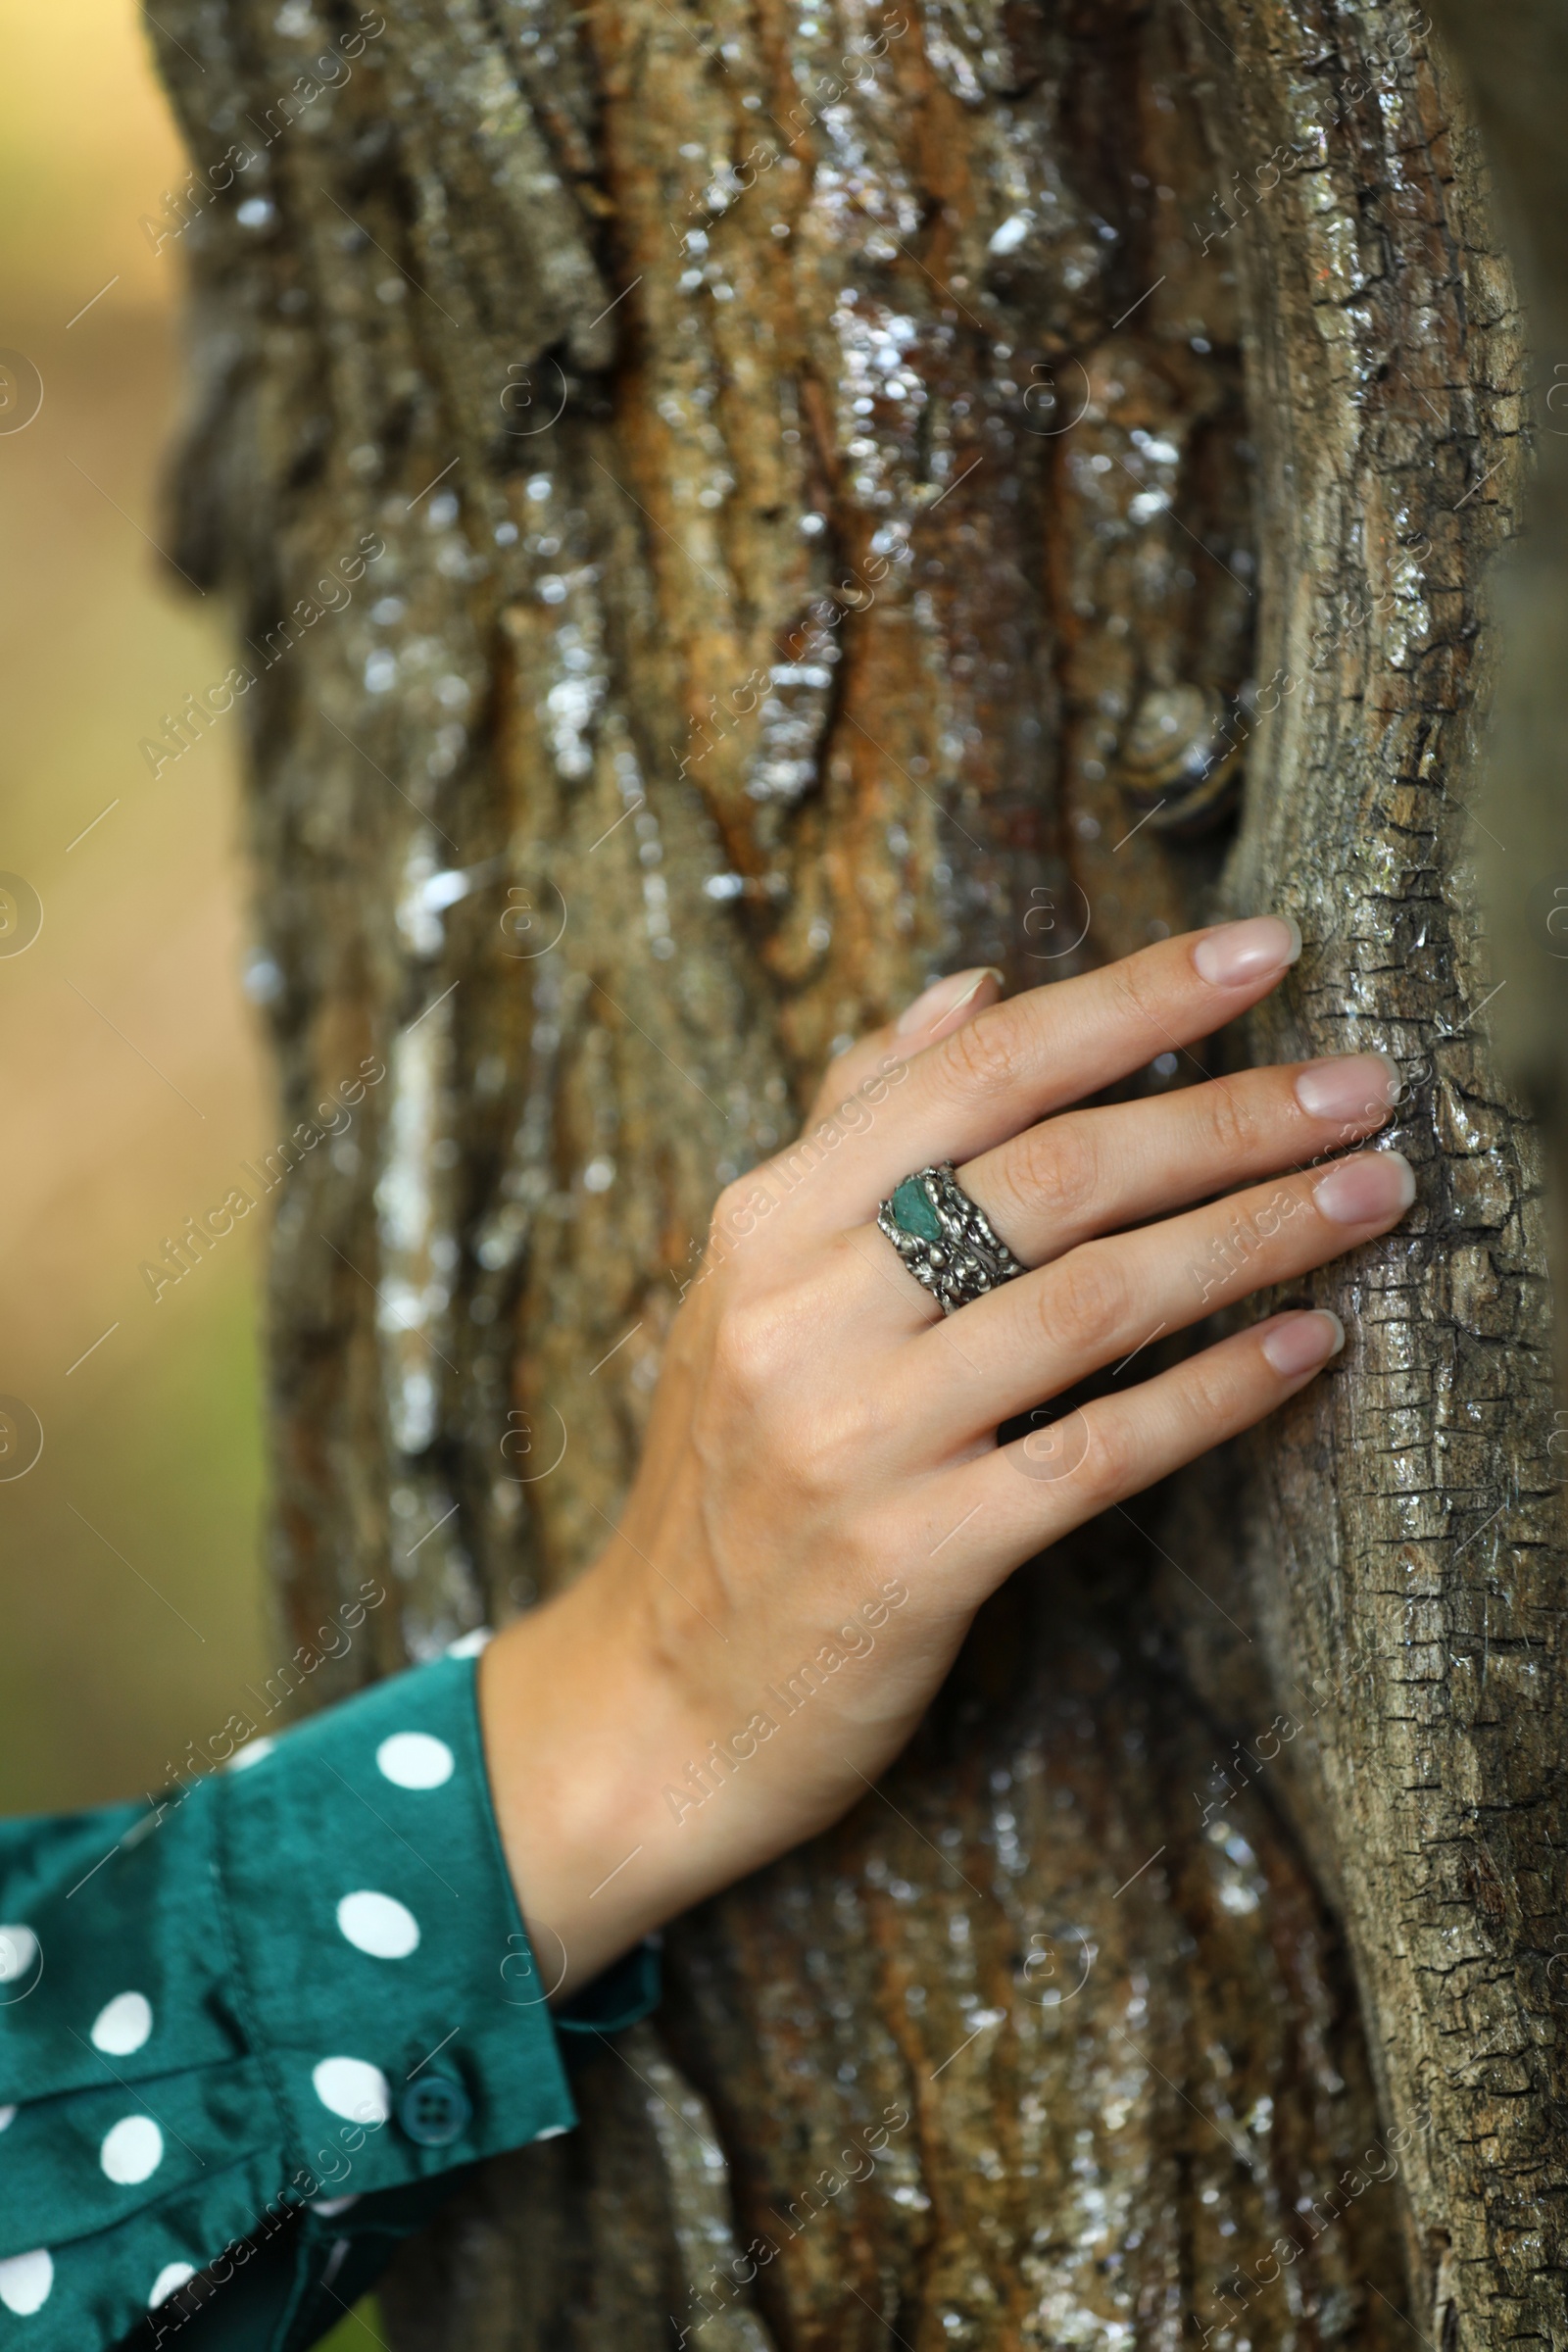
point(945, 1239)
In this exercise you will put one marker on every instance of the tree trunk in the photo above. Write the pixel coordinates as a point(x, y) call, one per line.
point(866, 490)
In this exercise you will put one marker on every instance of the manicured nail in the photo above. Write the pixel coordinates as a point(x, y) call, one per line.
point(1240, 953)
point(1368, 1191)
point(1359, 1087)
point(1303, 1341)
point(944, 997)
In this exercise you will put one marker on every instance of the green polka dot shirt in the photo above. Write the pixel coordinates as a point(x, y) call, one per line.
point(251, 2036)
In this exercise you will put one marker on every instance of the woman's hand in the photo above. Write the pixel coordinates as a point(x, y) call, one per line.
point(822, 1504)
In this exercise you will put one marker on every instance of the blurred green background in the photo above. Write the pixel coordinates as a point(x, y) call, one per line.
point(134, 1078)
point(133, 1072)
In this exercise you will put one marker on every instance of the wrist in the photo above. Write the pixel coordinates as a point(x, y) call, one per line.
point(584, 1723)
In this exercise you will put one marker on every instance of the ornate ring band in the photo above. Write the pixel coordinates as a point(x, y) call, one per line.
point(948, 1243)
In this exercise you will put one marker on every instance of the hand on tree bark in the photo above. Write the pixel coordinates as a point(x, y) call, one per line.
point(823, 1502)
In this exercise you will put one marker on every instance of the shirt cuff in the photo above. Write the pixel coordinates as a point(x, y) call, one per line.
point(375, 1945)
point(627, 1990)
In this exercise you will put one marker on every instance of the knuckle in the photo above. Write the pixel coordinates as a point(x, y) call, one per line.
point(1138, 995)
point(727, 1220)
point(752, 1346)
point(811, 1473)
point(823, 1454)
point(1110, 1460)
point(1211, 1392)
point(1229, 1128)
point(1057, 1170)
point(823, 1459)
point(1085, 1300)
point(738, 1208)
point(989, 1055)
point(863, 1422)
point(836, 1437)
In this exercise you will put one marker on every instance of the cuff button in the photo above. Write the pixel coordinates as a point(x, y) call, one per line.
point(434, 2111)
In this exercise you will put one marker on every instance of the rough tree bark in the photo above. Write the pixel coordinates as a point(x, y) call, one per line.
point(815, 449)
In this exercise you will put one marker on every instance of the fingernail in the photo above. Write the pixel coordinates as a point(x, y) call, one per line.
point(1352, 1086)
point(944, 997)
point(1368, 1191)
point(1241, 952)
point(1303, 1343)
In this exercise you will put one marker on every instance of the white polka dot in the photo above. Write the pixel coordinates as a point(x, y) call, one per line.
point(168, 2282)
point(251, 1753)
point(552, 2132)
point(415, 1760)
point(468, 1646)
point(353, 2089)
point(123, 2024)
point(26, 2280)
point(379, 1925)
point(19, 1949)
point(8, 2116)
point(132, 2151)
point(326, 2207)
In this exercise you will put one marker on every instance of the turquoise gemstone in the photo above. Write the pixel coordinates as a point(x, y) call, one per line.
point(913, 1213)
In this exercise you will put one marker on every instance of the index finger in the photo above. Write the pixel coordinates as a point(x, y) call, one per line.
point(1021, 1060)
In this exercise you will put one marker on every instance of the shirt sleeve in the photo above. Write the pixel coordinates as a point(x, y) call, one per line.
point(300, 1981)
